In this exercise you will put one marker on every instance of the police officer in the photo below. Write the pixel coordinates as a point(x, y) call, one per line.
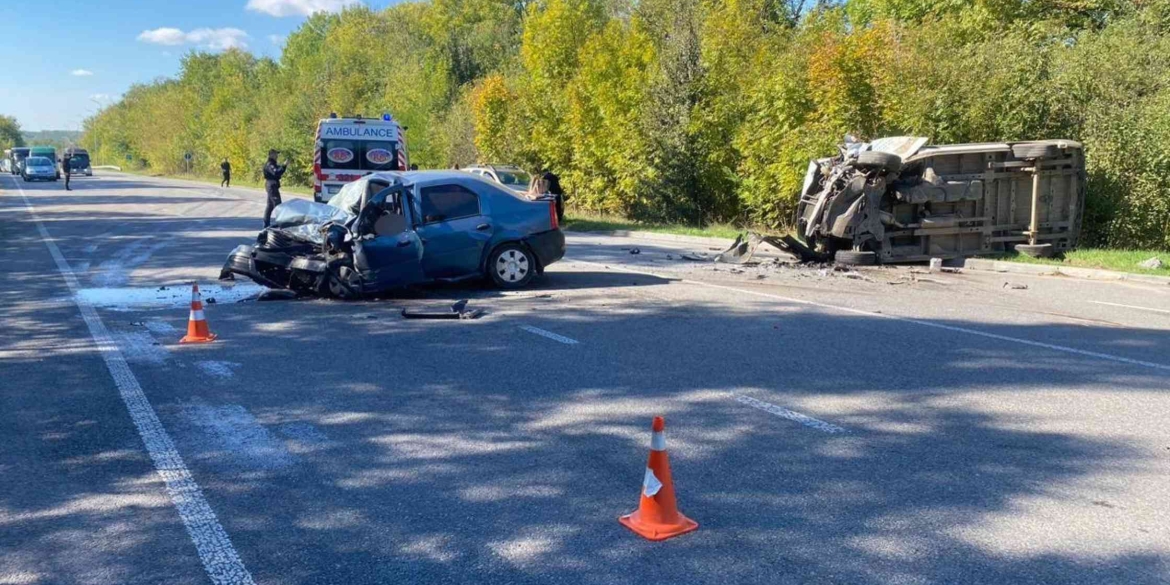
point(226, 167)
point(65, 169)
point(272, 174)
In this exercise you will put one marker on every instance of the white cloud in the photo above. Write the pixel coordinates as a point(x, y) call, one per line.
point(276, 39)
point(216, 39)
point(101, 97)
point(298, 7)
point(81, 73)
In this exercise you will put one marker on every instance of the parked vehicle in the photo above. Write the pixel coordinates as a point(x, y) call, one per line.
point(39, 168)
point(390, 230)
point(899, 200)
point(348, 149)
point(16, 167)
point(509, 176)
point(78, 161)
point(47, 152)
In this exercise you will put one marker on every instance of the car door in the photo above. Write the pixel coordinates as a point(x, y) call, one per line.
point(387, 258)
point(453, 230)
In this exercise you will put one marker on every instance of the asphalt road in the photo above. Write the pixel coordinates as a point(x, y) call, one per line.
point(873, 428)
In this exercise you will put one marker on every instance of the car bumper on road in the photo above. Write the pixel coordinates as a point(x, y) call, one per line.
point(548, 246)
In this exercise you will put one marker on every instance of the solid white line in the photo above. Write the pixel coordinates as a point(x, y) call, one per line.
point(220, 559)
point(791, 415)
point(1130, 307)
point(996, 336)
point(549, 334)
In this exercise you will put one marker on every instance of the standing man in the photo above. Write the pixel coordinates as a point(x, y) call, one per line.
point(226, 167)
point(65, 169)
point(554, 187)
point(272, 174)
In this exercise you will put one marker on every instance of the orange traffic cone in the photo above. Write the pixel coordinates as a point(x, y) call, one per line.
point(657, 516)
point(197, 331)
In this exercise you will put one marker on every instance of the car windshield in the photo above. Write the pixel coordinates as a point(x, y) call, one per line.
point(514, 178)
point(38, 161)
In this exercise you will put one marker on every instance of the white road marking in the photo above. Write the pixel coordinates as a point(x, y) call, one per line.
point(220, 559)
point(924, 323)
point(549, 334)
point(791, 415)
point(1130, 307)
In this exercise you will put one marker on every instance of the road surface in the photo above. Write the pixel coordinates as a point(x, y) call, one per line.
point(883, 427)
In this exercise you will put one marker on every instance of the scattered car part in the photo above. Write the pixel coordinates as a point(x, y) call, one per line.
point(458, 310)
point(855, 258)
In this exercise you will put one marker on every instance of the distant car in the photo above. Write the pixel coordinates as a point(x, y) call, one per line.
point(39, 168)
point(16, 166)
point(512, 177)
point(78, 162)
point(48, 152)
point(394, 229)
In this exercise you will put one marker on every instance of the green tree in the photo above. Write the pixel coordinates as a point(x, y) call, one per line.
point(10, 135)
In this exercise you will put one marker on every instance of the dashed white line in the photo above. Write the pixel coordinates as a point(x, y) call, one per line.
point(549, 334)
point(219, 557)
point(924, 323)
point(791, 415)
point(1131, 307)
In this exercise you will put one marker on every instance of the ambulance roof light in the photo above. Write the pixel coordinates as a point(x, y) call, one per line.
point(386, 117)
point(332, 115)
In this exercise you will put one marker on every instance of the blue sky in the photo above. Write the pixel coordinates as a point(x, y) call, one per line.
point(61, 56)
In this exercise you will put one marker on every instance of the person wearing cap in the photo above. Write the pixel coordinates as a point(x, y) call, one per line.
point(272, 174)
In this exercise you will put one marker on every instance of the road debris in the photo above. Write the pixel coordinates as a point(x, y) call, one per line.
point(1015, 286)
point(458, 310)
point(635, 251)
point(1152, 264)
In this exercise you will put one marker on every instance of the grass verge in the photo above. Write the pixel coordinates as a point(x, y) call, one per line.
point(584, 222)
point(1105, 259)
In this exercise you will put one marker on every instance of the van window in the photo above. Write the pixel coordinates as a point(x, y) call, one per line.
point(354, 155)
point(447, 202)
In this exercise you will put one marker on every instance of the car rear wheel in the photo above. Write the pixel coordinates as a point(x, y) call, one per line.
point(511, 266)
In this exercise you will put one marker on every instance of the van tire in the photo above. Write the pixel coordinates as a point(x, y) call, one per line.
point(882, 161)
point(1034, 150)
point(854, 258)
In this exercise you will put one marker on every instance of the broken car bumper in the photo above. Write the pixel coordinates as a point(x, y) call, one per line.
point(548, 246)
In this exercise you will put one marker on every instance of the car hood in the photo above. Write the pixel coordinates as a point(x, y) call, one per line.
point(304, 219)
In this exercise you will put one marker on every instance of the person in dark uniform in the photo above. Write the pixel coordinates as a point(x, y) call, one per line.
point(272, 174)
point(226, 167)
point(65, 169)
point(554, 187)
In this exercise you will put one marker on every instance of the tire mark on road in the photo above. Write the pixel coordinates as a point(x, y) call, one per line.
point(220, 559)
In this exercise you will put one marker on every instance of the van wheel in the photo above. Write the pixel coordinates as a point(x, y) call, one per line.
point(1034, 150)
point(852, 258)
point(511, 266)
point(882, 161)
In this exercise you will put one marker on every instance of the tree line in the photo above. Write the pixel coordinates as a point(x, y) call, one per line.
point(688, 111)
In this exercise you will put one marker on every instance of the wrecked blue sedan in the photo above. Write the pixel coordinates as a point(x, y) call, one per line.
point(395, 229)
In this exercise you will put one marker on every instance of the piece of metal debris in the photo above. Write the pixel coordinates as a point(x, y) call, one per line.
point(458, 310)
point(635, 251)
point(276, 295)
point(1015, 286)
point(695, 257)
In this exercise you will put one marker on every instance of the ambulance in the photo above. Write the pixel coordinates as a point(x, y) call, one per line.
point(348, 149)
